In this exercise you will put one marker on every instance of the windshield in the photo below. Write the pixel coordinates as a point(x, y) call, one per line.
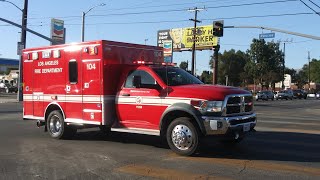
point(176, 76)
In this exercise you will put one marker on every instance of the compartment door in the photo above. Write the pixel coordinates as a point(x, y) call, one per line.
point(92, 89)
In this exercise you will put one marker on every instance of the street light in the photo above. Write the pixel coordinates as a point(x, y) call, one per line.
point(23, 42)
point(83, 18)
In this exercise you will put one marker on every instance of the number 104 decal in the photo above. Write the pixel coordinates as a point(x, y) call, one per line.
point(91, 66)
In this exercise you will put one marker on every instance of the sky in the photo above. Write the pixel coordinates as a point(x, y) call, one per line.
point(138, 21)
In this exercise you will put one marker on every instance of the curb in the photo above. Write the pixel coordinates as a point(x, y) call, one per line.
point(8, 101)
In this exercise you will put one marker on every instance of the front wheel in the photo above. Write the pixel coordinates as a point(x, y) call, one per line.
point(182, 136)
point(57, 128)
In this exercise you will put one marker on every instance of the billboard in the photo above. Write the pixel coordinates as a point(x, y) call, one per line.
point(57, 31)
point(182, 38)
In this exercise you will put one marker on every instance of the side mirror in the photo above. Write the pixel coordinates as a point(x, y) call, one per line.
point(136, 81)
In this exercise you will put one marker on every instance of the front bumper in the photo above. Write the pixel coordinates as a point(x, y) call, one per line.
point(223, 125)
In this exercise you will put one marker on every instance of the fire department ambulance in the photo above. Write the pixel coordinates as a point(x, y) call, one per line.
point(128, 88)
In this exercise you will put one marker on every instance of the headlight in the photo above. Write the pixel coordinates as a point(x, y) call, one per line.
point(211, 106)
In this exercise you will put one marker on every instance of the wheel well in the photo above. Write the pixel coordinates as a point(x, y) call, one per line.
point(169, 117)
point(51, 108)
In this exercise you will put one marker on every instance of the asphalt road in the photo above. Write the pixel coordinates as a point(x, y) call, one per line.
point(285, 146)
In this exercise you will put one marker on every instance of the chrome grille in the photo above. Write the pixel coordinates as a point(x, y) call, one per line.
point(238, 104)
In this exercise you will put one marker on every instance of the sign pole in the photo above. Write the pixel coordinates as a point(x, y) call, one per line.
point(23, 44)
point(215, 64)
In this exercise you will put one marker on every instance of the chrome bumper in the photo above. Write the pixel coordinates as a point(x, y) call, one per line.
point(221, 125)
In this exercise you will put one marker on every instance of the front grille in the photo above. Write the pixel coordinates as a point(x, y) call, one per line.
point(239, 104)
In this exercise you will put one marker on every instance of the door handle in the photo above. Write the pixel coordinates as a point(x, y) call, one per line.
point(125, 94)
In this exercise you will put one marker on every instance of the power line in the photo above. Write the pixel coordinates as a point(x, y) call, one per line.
point(259, 16)
point(213, 7)
point(175, 21)
point(175, 10)
point(309, 7)
point(251, 4)
point(314, 4)
point(166, 5)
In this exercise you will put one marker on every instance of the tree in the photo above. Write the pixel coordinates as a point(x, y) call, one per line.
point(184, 65)
point(206, 77)
point(231, 64)
point(314, 71)
point(266, 62)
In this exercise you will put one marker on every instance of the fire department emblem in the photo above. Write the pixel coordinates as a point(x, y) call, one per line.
point(138, 100)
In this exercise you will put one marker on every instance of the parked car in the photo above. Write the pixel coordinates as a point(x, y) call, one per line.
point(8, 88)
point(318, 95)
point(264, 95)
point(284, 94)
point(299, 93)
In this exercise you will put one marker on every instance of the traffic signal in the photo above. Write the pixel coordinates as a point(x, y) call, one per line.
point(218, 28)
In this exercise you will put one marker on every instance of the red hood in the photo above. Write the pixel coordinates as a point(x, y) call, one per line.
point(208, 92)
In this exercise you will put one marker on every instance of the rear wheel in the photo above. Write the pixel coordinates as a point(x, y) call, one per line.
point(57, 127)
point(182, 136)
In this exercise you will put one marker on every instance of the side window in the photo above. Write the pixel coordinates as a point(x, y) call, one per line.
point(129, 79)
point(73, 71)
point(147, 81)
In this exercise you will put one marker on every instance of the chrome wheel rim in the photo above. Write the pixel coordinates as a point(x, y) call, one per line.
point(55, 125)
point(181, 137)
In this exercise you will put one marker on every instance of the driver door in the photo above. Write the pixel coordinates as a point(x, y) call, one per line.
point(140, 107)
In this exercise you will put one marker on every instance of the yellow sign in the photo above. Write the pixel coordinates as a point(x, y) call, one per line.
point(204, 37)
point(182, 38)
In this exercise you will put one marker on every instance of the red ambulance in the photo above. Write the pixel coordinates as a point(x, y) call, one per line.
point(128, 88)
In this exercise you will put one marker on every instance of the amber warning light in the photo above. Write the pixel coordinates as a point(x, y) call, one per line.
point(92, 50)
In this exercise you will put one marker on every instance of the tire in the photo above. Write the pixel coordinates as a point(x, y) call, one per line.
point(182, 136)
point(57, 128)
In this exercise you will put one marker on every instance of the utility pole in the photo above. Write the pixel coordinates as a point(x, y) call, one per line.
point(195, 10)
point(284, 57)
point(23, 42)
point(309, 71)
